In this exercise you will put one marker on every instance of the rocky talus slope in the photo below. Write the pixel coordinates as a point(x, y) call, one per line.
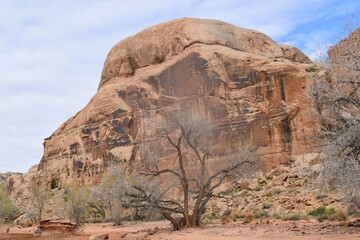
point(287, 192)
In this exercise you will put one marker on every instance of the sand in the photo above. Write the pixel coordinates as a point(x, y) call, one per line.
point(287, 230)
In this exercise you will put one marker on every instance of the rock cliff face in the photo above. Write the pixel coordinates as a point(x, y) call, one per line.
point(252, 87)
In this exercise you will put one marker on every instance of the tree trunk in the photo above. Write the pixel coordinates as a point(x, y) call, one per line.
point(178, 224)
point(39, 215)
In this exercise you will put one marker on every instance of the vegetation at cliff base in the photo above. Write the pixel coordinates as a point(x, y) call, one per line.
point(7, 208)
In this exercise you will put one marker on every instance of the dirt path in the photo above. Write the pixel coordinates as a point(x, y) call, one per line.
point(287, 230)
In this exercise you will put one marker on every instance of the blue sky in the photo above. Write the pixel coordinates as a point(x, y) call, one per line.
point(52, 52)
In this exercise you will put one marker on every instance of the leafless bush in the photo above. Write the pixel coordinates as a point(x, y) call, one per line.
point(76, 199)
point(39, 198)
point(336, 95)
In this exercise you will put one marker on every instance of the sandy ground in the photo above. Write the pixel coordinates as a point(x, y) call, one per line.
point(289, 230)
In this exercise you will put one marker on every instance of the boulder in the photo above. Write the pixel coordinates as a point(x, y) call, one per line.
point(253, 89)
point(57, 226)
point(25, 220)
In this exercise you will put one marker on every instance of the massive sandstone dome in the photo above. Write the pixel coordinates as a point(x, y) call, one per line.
point(252, 87)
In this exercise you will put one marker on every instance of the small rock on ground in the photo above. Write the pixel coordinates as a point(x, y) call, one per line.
point(101, 236)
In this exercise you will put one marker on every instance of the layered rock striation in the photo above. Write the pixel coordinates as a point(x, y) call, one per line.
point(250, 86)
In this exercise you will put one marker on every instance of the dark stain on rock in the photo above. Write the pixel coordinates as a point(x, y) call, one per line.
point(241, 74)
point(117, 113)
point(154, 82)
point(258, 93)
point(74, 148)
point(136, 98)
point(120, 126)
point(216, 108)
point(282, 90)
point(132, 127)
point(86, 131)
point(78, 167)
point(121, 94)
point(243, 81)
point(119, 141)
point(268, 87)
point(117, 126)
point(188, 77)
point(286, 133)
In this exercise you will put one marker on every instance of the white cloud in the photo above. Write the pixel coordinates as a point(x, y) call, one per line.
point(52, 52)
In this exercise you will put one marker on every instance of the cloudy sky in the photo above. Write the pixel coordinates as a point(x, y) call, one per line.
point(52, 52)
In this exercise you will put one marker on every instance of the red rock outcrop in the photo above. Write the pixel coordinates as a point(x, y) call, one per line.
point(346, 46)
point(57, 226)
point(252, 87)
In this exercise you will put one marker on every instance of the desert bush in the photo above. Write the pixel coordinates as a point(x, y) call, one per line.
point(53, 184)
point(321, 196)
point(293, 217)
point(76, 202)
point(260, 213)
point(245, 193)
point(336, 96)
point(230, 215)
point(212, 216)
point(7, 208)
point(277, 216)
point(293, 191)
point(38, 199)
point(274, 192)
point(248, 217)
point(311, 69)
point(353, 213)
point(229, 191)
point(266, 205)
point(337, 216)
point(323, 213)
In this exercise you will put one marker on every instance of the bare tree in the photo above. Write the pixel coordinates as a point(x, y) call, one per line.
point(180, 187)
point(336, 94)
point(39, 197)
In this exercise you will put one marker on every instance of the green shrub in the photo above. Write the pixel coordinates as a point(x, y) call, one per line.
point(323, 213)
point(53, 184)
point(275, 192)
point(354, 213)
point(266, 206)
point(337, 216)
point(276, 216)
point(245, 193)
point(257, 189)
point(293, 191)
point(7, 208)
point(311, 69)
point(260, 213)
point(294, 217)
point(227, 192)
point(212, 215)
point(321, 196)
point(317, 212)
